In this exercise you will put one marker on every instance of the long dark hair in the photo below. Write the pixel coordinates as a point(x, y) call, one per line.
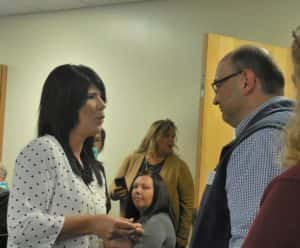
point(64, 92)
point(160, 202)
point(101, 166)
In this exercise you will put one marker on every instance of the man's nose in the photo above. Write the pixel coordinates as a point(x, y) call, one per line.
point(215, 100)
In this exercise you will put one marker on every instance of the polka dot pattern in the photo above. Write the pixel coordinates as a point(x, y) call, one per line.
point(44, 190)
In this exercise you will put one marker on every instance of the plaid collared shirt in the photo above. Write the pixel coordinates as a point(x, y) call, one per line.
point(253, 164)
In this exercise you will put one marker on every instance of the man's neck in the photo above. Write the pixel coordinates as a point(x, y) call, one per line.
point(249, 117)
point(253, 104)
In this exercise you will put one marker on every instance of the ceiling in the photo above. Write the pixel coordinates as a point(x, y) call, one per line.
point(18, 7)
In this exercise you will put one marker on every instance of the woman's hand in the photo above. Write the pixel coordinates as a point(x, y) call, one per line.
point(108, 227)
point(119, 193)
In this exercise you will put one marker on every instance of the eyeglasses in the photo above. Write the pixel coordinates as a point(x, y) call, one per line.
point(217, 83)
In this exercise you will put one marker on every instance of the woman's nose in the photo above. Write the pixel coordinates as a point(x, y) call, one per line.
point(100, 103)
point(137, 190)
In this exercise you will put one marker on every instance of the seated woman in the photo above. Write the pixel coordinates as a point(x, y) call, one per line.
point(149, 204)
point(156, 154)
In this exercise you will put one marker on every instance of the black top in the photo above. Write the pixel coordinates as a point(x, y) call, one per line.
point(4, 194)
point(153, 168)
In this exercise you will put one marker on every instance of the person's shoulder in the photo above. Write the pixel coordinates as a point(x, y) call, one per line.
point(265, 136)
point(164, 221)
point(176, 160)
point(292, 173)
point(280, 115)
point(286, 183)
point(42, 140)
point(162, 218)
point(41, 144)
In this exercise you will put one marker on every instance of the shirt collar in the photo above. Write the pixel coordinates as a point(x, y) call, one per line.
point(249, 117)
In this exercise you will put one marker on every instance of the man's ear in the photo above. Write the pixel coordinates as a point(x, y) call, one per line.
point(249, 81)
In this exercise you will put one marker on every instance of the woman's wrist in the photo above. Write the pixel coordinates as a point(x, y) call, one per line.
point(90, 225)
point(77, 226)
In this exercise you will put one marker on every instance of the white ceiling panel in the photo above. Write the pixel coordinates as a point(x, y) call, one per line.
point(18, 7)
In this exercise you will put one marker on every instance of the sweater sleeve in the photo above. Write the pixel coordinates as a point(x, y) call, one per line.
point(277, 222)
point(186, 202)
point(158, 232)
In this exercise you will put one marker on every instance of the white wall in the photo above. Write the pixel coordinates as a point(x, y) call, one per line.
point(149, 54)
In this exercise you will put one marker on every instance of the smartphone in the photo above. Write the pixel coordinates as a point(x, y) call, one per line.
point(120, 182)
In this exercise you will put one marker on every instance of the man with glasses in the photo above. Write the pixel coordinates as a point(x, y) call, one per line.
point(249, 92)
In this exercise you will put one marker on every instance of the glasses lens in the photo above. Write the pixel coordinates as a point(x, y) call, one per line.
point(216, 86)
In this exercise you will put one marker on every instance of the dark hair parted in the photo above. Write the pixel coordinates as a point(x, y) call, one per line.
point(160, 202)
point(64, 92)
point(262, 65)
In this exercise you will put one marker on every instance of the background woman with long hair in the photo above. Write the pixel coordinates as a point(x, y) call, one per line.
point(156, 154)
point(149, 204)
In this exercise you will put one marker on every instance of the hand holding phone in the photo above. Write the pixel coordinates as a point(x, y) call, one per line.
point(120, 182)
point(121, 190)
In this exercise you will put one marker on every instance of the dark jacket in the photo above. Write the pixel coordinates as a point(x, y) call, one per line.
point(3, 216)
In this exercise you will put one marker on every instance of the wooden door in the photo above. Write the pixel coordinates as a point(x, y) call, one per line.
point(213, 132)
point(3, 77)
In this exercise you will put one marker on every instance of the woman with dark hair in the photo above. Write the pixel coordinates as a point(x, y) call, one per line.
point(149, 204)
point(58, 198)
point(156, 154)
